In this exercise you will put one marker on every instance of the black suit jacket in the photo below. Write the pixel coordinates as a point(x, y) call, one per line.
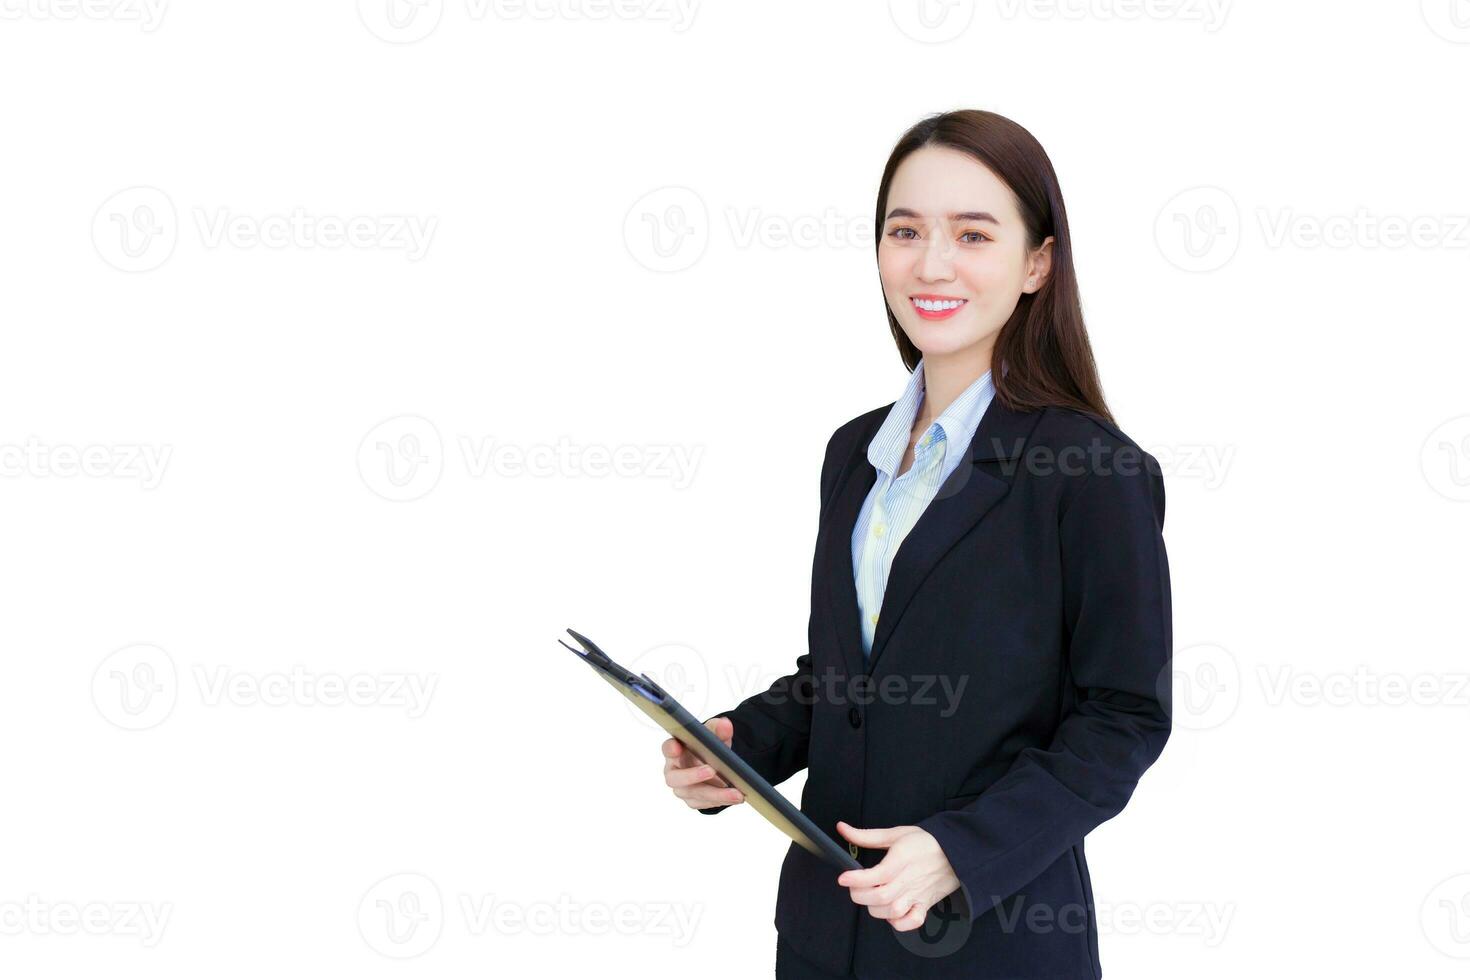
point(1017, 689)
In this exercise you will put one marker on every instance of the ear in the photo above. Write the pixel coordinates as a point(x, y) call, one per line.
point(1038, 267)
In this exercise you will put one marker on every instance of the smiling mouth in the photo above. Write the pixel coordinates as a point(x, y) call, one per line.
point(935, 308)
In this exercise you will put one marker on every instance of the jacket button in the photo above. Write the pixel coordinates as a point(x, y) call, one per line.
point(854, 717)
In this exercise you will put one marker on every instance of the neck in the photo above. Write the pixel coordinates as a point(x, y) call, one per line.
point(946, 375)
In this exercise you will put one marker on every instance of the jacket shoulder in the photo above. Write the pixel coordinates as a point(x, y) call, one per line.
point(1081, 449)
point(843, 444)
point(1067, 429)
point(1060, 426)
point(844, 436)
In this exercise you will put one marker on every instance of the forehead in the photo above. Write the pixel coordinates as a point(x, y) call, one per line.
point(939, 180)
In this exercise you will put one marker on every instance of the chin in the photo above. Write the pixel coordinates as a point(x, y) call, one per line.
point(940, 338)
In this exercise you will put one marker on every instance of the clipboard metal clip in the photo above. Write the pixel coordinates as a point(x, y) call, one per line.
point(591, 652)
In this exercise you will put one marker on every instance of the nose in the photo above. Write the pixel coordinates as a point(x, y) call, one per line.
point(936, 261)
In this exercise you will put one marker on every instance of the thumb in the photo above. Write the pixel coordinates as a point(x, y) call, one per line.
point(869, 836)
point(723, 728)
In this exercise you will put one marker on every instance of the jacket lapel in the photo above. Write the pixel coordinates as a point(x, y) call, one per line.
point(853, 484)
point(962, 500)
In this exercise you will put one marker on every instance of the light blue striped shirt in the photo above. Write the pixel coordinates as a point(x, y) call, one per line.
point(894, 503)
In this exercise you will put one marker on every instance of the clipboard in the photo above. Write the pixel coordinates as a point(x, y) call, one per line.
point(675, 719)
point(947, 925)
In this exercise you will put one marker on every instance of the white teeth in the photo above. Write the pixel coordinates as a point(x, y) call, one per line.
point(937, 306)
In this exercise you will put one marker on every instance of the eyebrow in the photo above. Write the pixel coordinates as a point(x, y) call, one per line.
point(955, 216)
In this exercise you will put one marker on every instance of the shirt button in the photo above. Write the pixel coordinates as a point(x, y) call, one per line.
point(873, 618)
point(854, 718)
point(878, 530)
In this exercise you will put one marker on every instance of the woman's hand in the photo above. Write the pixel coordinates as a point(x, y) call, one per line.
point(692, 781)
point(912, 876)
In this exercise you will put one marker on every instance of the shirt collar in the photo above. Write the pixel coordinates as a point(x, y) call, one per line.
point(958, 422)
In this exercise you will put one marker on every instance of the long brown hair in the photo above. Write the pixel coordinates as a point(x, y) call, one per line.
point(1042, 356)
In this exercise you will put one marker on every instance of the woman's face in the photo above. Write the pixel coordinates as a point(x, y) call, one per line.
point(953, 240)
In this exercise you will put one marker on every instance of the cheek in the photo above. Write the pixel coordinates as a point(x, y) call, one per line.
point(989, 277)
point(893, 270)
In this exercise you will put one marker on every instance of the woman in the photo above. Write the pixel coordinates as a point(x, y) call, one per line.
point(987, 674)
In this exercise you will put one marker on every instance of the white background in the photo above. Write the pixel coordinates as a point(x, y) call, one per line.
point(644, 231)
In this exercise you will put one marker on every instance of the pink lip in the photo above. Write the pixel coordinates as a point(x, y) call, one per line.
point(936, 314)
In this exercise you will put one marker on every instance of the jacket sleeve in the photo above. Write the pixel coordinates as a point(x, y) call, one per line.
point(773, 728)
point(1117, 609)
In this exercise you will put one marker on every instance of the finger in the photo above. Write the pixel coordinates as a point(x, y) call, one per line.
point(894, 905)
point(912, 919)
point(879, 874)
point(703, 795)
point(690, 761)
point(868, 896)
point(885, 912)
point(681, 761)
point(876, 894)
point(698, 760)
point(690, 776)
point(673, 748)
point(870, 836)
point(687, 757)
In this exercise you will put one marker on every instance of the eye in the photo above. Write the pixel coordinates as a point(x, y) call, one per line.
point(975, 241)
point(895, 233)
